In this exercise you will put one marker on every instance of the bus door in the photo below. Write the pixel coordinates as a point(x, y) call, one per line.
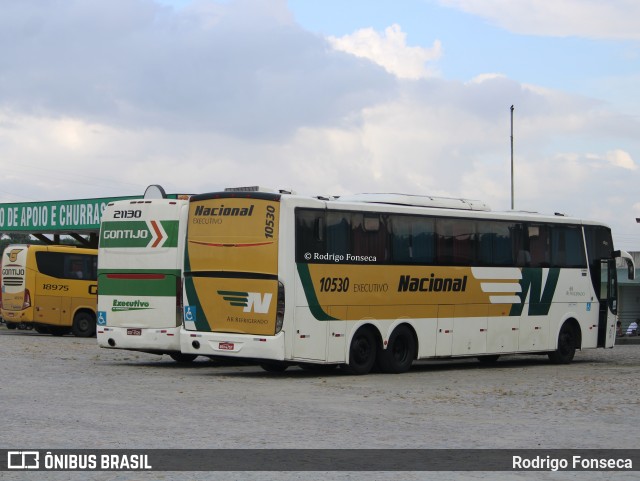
point(608, 302)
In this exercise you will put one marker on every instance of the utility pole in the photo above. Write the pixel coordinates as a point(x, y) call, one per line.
point(512, 204)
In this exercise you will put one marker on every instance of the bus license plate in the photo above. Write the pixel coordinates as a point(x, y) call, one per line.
point(226, 346)
point(134, 332)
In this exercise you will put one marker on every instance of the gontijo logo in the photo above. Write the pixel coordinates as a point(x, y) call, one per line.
point(147, 234)
point(13, 254)
point(249, 301)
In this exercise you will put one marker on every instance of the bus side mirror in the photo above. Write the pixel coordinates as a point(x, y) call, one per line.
point(631, 268)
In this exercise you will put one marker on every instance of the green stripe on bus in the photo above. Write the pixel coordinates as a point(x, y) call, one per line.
point(310, 293)
point(201, 322)
point(137, 287)
point(171, 227)
point(166, 272)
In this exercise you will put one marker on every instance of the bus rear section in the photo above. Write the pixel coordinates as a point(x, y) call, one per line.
point(233, 299)
point(140, 276)
point(51, 288)
point(17, 308)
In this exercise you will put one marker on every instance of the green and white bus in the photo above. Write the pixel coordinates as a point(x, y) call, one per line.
point(385, 279)
point(140, 276)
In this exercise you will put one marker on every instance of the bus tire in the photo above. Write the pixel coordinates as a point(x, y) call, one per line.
point(11, 325)
point(183, 358)
point(274, 366)
point(362, 352)
point(400, 351)
point(567, 344)
point(58, 331)
point(84, 325)
point(307, 366)
point(488, 358)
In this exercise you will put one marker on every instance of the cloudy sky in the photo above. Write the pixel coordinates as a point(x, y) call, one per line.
point(102, 98)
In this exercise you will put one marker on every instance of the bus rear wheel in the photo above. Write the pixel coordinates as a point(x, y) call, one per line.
point(362, 353)
point(400, 351)
point(567, 344)
point(84, 325)
point(183, 358)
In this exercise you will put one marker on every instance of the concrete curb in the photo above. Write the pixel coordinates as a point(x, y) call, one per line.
point(627, 340)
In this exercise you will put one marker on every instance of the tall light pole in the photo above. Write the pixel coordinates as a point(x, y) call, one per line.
point(512, 157)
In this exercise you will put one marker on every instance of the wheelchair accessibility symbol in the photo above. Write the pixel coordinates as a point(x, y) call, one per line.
point(102, 318)
point(190, 313)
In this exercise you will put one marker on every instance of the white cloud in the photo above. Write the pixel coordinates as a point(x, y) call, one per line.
point(620, 158)
point(478, 79)
point(241, 67)
point(611, 19)
point(391, 51)
point(199, 101)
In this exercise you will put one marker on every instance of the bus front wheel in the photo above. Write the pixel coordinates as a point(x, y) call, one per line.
point(362, 353)
point(84, 325)
point(567, 344)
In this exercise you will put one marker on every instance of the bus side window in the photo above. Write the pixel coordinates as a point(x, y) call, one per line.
point(464, 242)
point(310, 233)
point(51, 264)
point(456, 242)
point(539, 245)
point(444, 242)
point(566, 247)
point(494, 243)
point(338, 227)
point(80, 266)
point(94, 268)
point(370, 236)
point(520, 245)
point(412, 239)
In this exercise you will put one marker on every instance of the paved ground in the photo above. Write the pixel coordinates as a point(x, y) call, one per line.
point(65, 392)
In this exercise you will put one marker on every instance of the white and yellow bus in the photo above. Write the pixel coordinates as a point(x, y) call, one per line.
point(382, 280)
point(52, 288)
point(140, 276)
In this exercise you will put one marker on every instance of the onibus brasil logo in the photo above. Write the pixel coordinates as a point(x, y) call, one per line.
point(249, 301)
